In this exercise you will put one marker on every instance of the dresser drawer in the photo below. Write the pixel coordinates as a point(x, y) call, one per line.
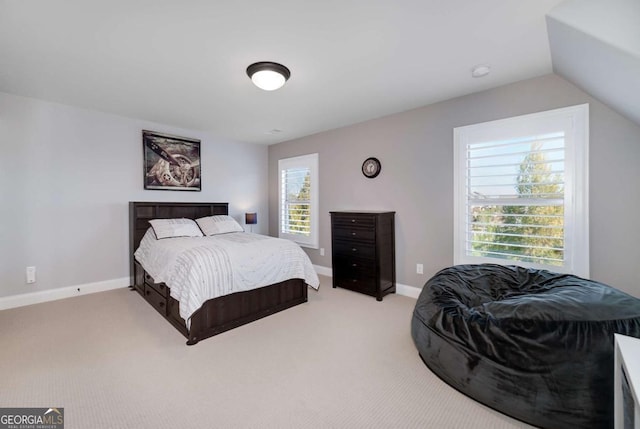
point(161, 288)
point(348, 232)
point(359, 282)
point(348, 249)
point(355, 266)
point(156, 300)
point(354, 219)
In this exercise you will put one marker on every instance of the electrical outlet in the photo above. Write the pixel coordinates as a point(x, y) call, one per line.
point(419, 269)
point(322, 251)
point(31, 275)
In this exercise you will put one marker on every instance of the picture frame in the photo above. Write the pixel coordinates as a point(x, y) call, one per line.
point(171, 163)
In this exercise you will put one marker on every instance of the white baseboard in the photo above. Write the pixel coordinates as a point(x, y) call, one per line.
point(405, 290)
point(21, 300)
point(324, 271)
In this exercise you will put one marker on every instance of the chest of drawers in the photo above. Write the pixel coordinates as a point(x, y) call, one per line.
point(363, 251)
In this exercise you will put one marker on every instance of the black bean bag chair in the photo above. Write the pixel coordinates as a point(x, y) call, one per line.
point(532, 344)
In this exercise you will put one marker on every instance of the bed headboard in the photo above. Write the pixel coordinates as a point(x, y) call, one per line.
point(140, 212)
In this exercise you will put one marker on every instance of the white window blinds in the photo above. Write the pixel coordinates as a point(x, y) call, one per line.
point(515, 199)
point(298, 219)
point(296, 194)
point(522, 189)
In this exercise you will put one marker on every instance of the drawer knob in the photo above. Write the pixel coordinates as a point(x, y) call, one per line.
point(148, 292)
point(161, 303)
point(354, 280)
point(354, 265)
point(353, 221)
point(354, 250)
point(353, 233)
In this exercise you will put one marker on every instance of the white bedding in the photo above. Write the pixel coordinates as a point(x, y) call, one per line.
point(202, 268)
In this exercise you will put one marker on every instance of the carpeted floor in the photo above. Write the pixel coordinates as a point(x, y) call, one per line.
point(342, 360)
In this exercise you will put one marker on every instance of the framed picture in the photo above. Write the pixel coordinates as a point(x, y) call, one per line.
point(171, 163)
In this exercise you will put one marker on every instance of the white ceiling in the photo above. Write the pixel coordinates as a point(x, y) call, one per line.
point(182, 63)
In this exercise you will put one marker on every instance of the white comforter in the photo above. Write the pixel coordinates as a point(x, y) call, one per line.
point(202, 268)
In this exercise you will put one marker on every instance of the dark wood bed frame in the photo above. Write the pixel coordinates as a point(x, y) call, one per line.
point(216, 315)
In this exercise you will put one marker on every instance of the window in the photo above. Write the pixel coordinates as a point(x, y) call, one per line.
point(298, 201)
point(521, 191)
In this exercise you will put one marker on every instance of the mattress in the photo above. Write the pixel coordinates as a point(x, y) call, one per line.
point(197, 269)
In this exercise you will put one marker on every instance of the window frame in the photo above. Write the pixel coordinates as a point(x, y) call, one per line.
point(574, 120)
point(310, 161)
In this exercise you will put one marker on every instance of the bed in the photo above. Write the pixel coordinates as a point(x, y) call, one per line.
point(215, 315)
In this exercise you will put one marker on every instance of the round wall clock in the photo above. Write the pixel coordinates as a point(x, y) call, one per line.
point(371, 167)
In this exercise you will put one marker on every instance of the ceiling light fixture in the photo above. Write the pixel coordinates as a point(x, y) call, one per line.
point(267, 75)
point(480, 71)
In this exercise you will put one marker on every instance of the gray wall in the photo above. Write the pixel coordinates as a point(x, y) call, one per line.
point(67, 175)
point(416, 151)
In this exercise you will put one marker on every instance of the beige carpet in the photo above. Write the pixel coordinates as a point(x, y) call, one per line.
point(342, 360)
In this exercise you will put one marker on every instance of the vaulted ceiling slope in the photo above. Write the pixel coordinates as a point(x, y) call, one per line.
point(182, 63)
point(596, 45)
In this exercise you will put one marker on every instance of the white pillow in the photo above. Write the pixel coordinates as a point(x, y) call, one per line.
point(169, 228)
point(220, 224)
